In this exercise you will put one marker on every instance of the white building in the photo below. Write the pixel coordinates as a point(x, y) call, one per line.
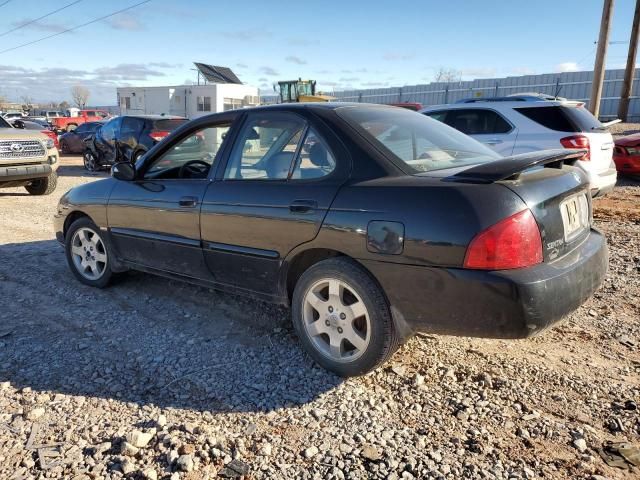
point(222, 90)
point(191, 101)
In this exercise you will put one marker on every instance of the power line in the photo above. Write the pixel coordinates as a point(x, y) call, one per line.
point(4, 3)
point(74, 28)
point(30, 22)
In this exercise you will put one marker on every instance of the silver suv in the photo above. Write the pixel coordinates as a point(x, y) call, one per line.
point(528, 122)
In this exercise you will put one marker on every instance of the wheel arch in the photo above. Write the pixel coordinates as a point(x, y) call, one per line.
point(72, 217)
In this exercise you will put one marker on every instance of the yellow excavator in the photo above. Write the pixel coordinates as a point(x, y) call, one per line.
point(300, 91)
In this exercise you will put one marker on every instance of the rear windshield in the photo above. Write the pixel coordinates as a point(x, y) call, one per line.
point(169, 124)
point(417, 141)
point(562, 118)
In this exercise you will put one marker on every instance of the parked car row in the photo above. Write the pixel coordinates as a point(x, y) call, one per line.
point(370, 222)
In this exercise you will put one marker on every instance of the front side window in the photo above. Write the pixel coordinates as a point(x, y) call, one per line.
point(204, 104)
point(440, 116)
point(191, 158)
point(415, 141)
point(266, 147)
point(131, 126)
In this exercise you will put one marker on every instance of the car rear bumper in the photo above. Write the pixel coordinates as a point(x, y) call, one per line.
point(603, 182)
point(628, 164)
point(494, 304)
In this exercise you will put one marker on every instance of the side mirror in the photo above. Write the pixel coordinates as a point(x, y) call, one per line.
point(123, 171)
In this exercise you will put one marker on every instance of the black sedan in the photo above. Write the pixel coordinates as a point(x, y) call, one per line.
point(371, 222)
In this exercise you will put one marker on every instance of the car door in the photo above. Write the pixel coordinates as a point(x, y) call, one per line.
point(106, 141)
point(128, 137)
point(154, 221)
point(281, 175)
point(485, 125)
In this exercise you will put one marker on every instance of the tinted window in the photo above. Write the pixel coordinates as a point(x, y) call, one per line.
point(169, 124)
point(582, 118)
point(417, 141)
point(266, 147)
point(552, 117)
point(440, 116)
point(108, 131)
point(315, 159)
point(477, 121)
point(4, 123)
point(131, 126)
point(201, 148)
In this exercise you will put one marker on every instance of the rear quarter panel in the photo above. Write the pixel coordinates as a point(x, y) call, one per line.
point(440, 218)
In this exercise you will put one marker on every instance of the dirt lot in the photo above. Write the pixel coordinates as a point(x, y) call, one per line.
point(221, 386)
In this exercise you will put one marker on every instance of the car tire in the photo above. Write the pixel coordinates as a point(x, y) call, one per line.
point(90, 161)
point(43, 186)
point(337, 302)
point(88, 254)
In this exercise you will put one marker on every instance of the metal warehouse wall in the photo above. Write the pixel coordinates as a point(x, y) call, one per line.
point(572, 85)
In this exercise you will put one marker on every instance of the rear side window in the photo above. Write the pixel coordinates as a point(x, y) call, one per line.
point(477, 121)
point(553, 118)
point(414, 141)
point(169, 124)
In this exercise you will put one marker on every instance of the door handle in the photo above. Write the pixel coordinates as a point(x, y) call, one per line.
point(493, 141)
point(188, 201)
point(302, 206)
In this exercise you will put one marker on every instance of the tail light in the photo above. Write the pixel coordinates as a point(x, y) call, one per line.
point(159, 135)
point(578, 141)
point(514, 242)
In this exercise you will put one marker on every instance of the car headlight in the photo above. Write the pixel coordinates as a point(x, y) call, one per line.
point(49, 144)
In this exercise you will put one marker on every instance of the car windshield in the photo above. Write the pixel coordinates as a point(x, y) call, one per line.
point(420, 143)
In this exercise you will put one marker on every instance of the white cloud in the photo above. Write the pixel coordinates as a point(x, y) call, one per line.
point(567, 67)
point(296, 60)
point(125, 22)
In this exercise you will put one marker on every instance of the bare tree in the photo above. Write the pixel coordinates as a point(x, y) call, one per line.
point(62, 106)
point(80, 95)
point(447, 75)
point(27, 102)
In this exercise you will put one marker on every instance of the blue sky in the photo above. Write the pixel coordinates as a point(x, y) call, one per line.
point(342, 44)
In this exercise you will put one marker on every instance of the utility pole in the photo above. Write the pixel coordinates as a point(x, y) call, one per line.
point(598, 69)
point(627, 85)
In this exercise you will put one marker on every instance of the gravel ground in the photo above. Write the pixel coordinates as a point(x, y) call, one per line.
point(157, 379)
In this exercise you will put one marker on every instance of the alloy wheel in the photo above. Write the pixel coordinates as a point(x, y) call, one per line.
point(90, 161)
point(336, 320)
point(88, 253)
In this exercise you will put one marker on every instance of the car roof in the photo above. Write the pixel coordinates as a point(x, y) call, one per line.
point(154, 117)
point(503, 104)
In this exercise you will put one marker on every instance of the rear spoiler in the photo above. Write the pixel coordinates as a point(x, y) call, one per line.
point(510, 168)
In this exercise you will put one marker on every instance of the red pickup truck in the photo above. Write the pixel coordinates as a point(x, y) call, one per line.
point(67, 124)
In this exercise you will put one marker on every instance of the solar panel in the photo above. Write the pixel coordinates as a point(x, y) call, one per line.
point(216, 74)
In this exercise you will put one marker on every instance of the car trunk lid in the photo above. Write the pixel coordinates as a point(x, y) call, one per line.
point(556, 193)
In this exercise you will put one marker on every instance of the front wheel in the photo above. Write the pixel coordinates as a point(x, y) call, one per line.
point(87, 253)
point(43, 186)
point(90, 161)
point(342, 318)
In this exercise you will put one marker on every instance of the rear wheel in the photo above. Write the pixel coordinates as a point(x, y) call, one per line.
point(87, 253)
point(136, 156)
point(90, 161)
point(342, 318)
point(43, 186)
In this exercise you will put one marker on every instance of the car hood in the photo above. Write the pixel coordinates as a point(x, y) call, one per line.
point(19, 134)
point(90, 193)
point(629, 140)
